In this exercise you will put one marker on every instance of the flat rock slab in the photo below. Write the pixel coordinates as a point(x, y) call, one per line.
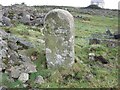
point(59, 38)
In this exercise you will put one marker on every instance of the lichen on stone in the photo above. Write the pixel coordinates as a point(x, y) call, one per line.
point(59, 38)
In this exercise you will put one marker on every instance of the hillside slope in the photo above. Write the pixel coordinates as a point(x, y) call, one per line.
point(84, 73)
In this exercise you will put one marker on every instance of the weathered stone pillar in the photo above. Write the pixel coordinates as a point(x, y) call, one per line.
point(59, 38)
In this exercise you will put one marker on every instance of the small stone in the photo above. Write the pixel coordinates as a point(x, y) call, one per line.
point(89, 77)
point(6, 21)
point(39, 80)
point(2, 66)
point(0, 69)
point(12, 45)
point(3, 88)
point(29, 67)
point(1, 14)
point(41, 41)
point(1, 24)
point(3, 34)
point(13, 55)
point(12, 38)
point(25, 85)
point(25, 19)
point(91, 56)
point(11, 62)
point(24, 77)
point(4, 53)
point(15, 72)
point(25, 43)
point(3, 44)
point(25, 58)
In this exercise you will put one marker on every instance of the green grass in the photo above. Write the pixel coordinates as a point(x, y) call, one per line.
point(103, 75)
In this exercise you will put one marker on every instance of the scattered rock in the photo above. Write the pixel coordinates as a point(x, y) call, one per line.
point(29, 67)
point(1, 24)
point(3, 44)
point(25, 58)
point(41, 41)
point(24, 43)
point(25, 19)
point(24, 77)
point(13, 39)
point(1, 14)
point(19, 41)
point(38, 22)
point(6, 21)
point(4, 53)
point(3, 88)
point(25, 85)
point(91, 56)
point(12, 46)
point(3, 34)
point(13, 56)
point(15, 72)
point(89, 77)
point(39, 80)
point(14, 61)
point(2, 66)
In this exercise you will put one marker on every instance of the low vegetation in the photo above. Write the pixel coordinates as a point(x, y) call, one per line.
point(84, 73)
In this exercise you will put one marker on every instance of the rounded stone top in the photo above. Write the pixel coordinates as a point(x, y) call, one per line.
point(61, 14)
